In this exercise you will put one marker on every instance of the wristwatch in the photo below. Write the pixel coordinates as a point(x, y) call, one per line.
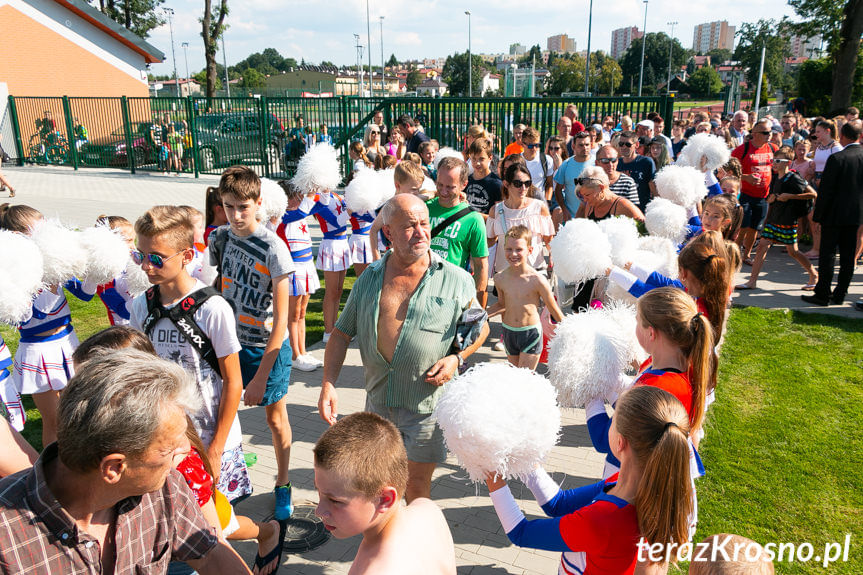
point(460, 359)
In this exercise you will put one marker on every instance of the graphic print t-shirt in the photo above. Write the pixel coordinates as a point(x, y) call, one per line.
point(248, 266)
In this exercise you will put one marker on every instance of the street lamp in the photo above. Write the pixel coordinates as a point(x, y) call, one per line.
point(643, 42)
point(359, 59)
point(587, 64)
point(670, 48)
point(469, 60)
point(225, 64)
point(170, 13)
point(383, 65)
point(185, 46)
point(369, 38)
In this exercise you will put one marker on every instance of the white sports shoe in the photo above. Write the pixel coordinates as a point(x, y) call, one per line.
point(498, 345)
point(303, 364)
point(313, 360)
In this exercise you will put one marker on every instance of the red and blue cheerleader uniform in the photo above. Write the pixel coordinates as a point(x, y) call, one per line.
point(361, 225)
point(44, 363)
point(596, 531)
point(115, 296)
point(334, 252)
point(295, 233)
point(713, 187)
point(8, 392)
point(674, 382)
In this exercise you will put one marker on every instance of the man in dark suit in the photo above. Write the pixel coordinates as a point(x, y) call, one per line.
point(839, 210)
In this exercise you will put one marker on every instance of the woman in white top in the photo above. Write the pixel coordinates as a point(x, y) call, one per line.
point(519, 209)
point(825, 146)
point(372, 142)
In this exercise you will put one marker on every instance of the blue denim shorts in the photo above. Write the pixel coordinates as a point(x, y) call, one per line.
point(280, 375)
point(754, 212)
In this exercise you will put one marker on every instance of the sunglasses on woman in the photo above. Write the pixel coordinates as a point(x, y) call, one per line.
point(155, 260)
point(520, 183)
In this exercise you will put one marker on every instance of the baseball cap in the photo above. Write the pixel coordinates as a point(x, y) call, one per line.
point(646, 123)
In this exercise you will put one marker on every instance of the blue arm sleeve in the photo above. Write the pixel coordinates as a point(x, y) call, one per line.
point(656, 280)
point(538, 534)
point(115, 302)
point(76, 288)
point(327, 214)
point(598, 426)
point(714, 189)
point(565, 502)
point(294, 216)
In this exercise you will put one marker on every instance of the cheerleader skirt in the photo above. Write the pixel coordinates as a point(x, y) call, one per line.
point(334, 255)
point(361, 249)
point(45, 365)
point(305, 280)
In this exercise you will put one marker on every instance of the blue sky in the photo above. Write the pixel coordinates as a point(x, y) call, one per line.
point(318, 30)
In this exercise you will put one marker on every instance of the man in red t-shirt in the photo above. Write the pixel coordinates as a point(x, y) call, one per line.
point(571, 112)
point(756, 157)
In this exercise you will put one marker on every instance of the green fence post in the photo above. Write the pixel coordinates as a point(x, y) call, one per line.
point(127, 133)
point(190, 113)
point(263, 118)
point(16, 129)
point(70, 134)
point(346, 160)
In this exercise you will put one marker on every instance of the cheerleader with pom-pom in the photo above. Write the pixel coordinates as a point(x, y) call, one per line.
point(8, 394)
point(334, 253)
point(117, 293)
point(599, 528)
point(43, 360)
point(295, 233)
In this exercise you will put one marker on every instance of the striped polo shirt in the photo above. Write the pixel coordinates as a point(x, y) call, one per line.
point(427, 335)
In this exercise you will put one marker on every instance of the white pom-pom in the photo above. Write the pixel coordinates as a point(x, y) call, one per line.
point(622, 234)
point(20, 276)
point(318, 170)
point(665, 219)
point(704, 147)
point(446, 152)
point(580, 251)
point(136, 279)
point(659, 254)
point(499, 419)
point(63, 256)
point(274, 202)
point(386, 184)
point(363, 194)
point(624, 315)
point(107, 254)
point(683, 185)
point(588, 354)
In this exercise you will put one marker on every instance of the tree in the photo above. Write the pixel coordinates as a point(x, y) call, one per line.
point(840, 24)
point(413, 80)
point(609, 74)
point(705, 82)
point(201, 78)
point(212, 28)
point(814, 75)
point(392, 62)
point(719, 56)
point(772, 34)
point(455, 73)
point(253, 79)
point(567, 75)
point(534, 52)
point(327, 64)
point(139, 16)
point(655, 60)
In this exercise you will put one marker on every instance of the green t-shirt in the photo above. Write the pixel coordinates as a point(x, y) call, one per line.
point(461, 240)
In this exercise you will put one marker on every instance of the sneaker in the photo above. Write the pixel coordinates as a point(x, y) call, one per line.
point(326, 337)
point(303, 364)
point(284, 507)
point(313, 360)
point(498, 346)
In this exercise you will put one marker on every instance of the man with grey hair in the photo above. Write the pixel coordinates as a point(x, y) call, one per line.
point(104, 497)
point(737, 129)
point(416, 319)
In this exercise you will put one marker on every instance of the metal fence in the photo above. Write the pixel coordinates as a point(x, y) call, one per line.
point(197, 135)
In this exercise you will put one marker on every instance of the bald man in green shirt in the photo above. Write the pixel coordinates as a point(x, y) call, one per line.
point(416, 319)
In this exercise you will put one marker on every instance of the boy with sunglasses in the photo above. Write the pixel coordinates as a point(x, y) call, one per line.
point(639, 168)
point(165, 237)
point(540, 164)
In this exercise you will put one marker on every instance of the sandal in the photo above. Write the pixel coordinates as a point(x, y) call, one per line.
point(11, 193)
point(275, 553)
point(747, 261)
point(743, 287)
point(808, 287)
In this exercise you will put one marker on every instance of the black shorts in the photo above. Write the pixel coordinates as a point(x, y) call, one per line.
point(754, 212)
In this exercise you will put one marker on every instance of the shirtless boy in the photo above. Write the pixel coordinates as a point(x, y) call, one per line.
point(520, 288)
point(361, 472)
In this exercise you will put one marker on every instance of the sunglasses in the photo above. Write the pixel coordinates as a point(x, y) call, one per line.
point(587, 181)
point(780, 161)
point(762, 133)
point(531, 146)
point(520, 183)
point(607, 160)
point(155, 260)
point(554, 147)
point(625, 144)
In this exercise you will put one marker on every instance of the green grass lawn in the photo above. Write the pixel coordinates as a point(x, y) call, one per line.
point(91, 317)
point(783, 446)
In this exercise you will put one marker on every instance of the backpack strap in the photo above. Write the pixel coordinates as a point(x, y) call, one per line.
point(453, 218)
point(182, 316)
point(543, 161)
point(218, 241)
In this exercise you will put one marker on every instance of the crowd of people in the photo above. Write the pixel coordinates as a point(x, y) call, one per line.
point(143, 455)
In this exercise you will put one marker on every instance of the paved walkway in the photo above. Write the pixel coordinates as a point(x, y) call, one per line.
point(481, 546)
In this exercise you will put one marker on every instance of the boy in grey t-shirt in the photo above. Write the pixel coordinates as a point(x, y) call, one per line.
point(255, 268)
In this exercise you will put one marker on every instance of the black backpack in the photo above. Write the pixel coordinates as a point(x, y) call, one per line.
point(182, 316)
